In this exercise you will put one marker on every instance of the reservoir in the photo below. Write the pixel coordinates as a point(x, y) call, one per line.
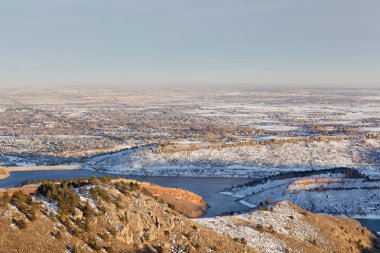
point(208, 188)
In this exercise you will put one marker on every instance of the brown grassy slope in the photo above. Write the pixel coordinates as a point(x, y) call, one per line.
point(185, 202)
point(288, 228)
point(127, 222)
point(342, 234)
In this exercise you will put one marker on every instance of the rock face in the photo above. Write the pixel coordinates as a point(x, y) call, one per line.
point(285, 227)
point(313, 183)
point(86, 216)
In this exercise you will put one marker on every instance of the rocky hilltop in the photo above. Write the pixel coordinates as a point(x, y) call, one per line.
point(101, 216)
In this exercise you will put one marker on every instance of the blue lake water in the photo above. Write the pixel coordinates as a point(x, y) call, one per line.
point(208, 188)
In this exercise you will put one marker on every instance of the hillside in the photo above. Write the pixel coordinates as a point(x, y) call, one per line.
point(93, 215)
point(248, 161)
point(284, 227)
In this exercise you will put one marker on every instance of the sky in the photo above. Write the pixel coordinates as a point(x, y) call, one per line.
point(255, 43)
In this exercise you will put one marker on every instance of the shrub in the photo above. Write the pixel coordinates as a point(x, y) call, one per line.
point(5, 199)
point(98, 192)
point(359, 244)
point(171, 206)
point(24, 204)
point(260, 228)
point(86, 225)
point(124, 187)
point(105, 179)
point(262, 208)
point(112, 231)
point(159, 249)
point(147, 192)
point(118, 202)
point(87, 210)
point(64, 194)
point(241, 240)
point(93, 244)
point(74, 249)
point(58, 235)
point(109, 249)
point(21, 224)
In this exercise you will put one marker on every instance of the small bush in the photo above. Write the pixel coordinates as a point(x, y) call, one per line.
point(5, 199)
point(20, 224)
point(93, 244)
point(87, 210)
point(271, 229)
point(109, 249)
point(64, 194)
point(262, 208)
point(147, 192)
point(159, 249)
point(260, 228)
point(98, 192)
point(58, 235)
point(240, 240)
point(112, 231)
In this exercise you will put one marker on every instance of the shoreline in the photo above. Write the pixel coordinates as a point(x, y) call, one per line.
point(5, 171)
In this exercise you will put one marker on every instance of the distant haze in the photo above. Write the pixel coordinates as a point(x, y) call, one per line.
point(254, 43)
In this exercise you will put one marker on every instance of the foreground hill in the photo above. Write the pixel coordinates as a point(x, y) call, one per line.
point(92, 215)
point(104, 215)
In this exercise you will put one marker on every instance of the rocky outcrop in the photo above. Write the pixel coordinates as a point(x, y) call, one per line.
point(178, 147)
point(313, 183)
point(185, 202)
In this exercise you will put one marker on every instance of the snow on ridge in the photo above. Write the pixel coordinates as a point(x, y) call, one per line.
point(251, 161)
point(260, 229)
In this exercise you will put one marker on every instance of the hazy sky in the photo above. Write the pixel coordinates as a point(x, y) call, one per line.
point(191, 42)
